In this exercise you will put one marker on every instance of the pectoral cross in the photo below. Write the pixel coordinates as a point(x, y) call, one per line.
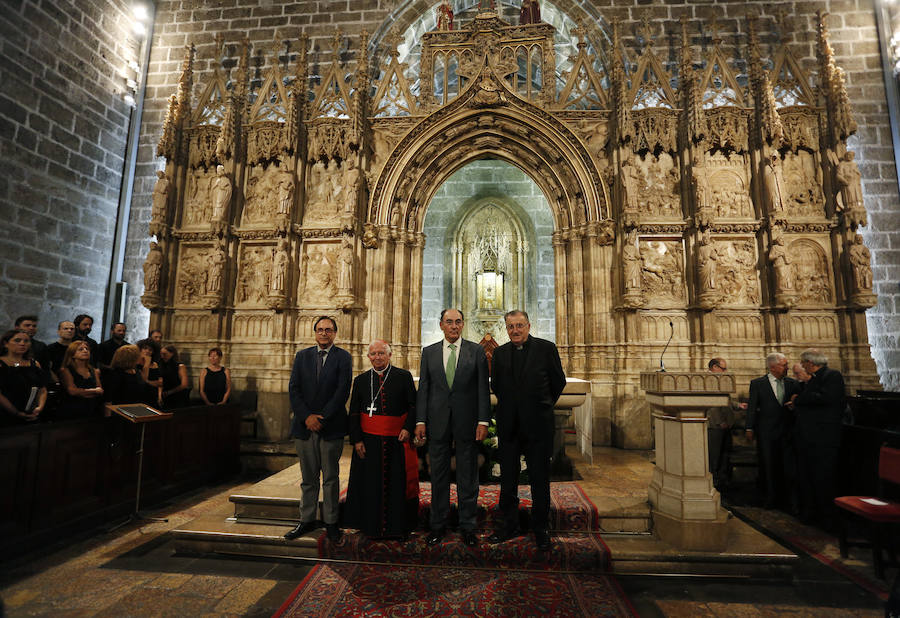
point(371, 408)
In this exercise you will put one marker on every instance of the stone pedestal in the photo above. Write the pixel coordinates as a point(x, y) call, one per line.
point(573, 395)
point(686, 507)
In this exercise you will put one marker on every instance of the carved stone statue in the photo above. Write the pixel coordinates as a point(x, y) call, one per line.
point(781, 262)
point(706, 258)
point(350, 186)
point(530, 12)
point(444, 16)
point(280, 262)
point(221, 194)
point(160, 198)
point(345, 267)
point(631, 261)
point(700, 186)
point(395, 216)
point(153, 269)
point(285, 192)
point(630, 179)
point(772, 186)
point(215, 262)
point(848, 179)
point(861, 262)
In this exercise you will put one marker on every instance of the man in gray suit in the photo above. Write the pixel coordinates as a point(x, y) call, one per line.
point(453, 405)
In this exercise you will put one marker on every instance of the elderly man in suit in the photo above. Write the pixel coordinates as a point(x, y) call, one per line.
point(527, 377)
point(319, 387)
point(453, 406)
point(771, 424)
point(817, 435)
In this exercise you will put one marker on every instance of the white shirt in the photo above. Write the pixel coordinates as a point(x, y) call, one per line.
point(773, 382)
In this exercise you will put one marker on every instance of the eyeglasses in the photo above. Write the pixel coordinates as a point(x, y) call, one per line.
point(324, 331)
point(453, 322)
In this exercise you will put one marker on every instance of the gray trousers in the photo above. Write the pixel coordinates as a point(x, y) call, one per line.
point(318, 455)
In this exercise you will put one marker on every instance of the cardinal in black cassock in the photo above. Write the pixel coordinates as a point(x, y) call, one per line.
point(383, 492)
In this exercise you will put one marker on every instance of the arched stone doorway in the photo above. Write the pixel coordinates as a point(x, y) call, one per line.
point(488, 229)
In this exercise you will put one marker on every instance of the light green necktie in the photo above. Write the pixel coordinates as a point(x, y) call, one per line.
point(451, 365)
point(779, 390)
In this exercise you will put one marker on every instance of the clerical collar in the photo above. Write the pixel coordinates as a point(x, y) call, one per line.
point(524, 343)
point(381, 373)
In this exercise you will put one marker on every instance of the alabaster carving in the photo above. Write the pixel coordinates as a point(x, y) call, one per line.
point(662, 272)
point(153, 266)
point(701, 189)
point(739, 327)
point(810, 267)
point(707, 256)
point(203, 142)
point(781, 262)
point(848, 180)
point(264, 196)
point(159, 209)
point(658, 186)
point(803, 185)
point(730, 195)
point(323, 194)
point(861, 263)
point(192, 275)
point(221, 190)
point(252, 327)
point(254, 270)
point(736, 275)
point(215, 263)
point(280, 264)
point(196, 209)
point(285, 192)
point(773, 186)
point(319, 262)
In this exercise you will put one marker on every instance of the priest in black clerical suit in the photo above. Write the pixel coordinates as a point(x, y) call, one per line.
point(383, 492)
point(527, 377)
point(771, 423)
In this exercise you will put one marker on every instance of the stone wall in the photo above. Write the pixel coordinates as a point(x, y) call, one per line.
point(63, 129)
point(854, 39)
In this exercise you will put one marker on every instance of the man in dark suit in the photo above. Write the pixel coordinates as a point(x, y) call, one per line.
point(453, 406)
point(527, 377)
point(319, 387)
point(771, 424)
point(820, 410)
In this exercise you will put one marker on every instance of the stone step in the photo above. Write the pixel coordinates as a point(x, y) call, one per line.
point(213, 535)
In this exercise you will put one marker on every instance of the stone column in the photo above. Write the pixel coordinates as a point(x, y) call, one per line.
point(686, 507)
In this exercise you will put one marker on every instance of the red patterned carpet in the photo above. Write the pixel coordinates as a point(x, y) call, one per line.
point(378, 590)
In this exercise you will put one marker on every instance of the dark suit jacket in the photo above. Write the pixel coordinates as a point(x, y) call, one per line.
point(764, 413)
point(327, 397)
point(820, 409)
point(467, 403)
point(525, 401)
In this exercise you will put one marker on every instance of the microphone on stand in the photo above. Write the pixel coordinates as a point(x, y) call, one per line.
point(662, 365)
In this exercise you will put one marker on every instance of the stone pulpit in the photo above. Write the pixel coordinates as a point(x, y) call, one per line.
point(686, 507)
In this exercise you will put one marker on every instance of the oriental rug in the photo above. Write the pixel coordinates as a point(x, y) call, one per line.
point(569, 552)
point(378, 590)
point(570, 508)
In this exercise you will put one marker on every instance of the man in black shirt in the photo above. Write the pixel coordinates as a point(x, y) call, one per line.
point(53, 355)
point(83, 325)
point(29, 324)
point(108, 348)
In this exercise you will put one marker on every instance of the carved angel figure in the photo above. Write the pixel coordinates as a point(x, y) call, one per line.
point(152, 269)
point(861, 261)
point(160, 198)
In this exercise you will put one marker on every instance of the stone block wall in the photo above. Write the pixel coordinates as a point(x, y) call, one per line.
point(63, 130)
point(853, 36)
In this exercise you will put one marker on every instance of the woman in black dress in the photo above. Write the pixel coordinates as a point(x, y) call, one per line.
point(23, 389)
point(82, 390)
point(124, 383)
point(215, 381)
point(147, 365)
point(175, 386)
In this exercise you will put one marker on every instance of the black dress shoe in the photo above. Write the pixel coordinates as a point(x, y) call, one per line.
point(434, 537)
point(470, 538)
point(542, 539)
point(333, 532)
point(301, 529)
point(500, 536)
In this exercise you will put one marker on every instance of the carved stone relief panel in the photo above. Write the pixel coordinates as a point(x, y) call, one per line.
point(190, 325)
point(251, 326)
point(802, 185)
point(269, 194)
point(655, 327)
point(736, 272)
point(323, 193)
point(662, 272)
point(319, 272)
point(729, 187)
point(739, 327)
point(254, 272)
point(193, 281)
point(658, 191)
point(197, 200)
point(811, 272)
point(814, 327)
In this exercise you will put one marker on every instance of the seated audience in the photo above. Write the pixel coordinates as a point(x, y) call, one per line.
point(147, 365)
point(23, 392)
point(82, 389)
point(175, 384)
point(108, 348)
point(83, 325)
point(124, 384)
point(215, 380)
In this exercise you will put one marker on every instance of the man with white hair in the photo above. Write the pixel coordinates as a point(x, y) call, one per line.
point(819, 408)
point(383, 492)
point(770, 423)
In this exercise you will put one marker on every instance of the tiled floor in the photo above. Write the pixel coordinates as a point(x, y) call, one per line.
point(134, 571)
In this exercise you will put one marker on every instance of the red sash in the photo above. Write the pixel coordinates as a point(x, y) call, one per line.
point(390, 427)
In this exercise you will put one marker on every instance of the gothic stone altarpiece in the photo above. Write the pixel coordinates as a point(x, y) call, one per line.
point(721, 210)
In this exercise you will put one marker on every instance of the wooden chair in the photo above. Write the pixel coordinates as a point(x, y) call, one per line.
point(879, 514)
